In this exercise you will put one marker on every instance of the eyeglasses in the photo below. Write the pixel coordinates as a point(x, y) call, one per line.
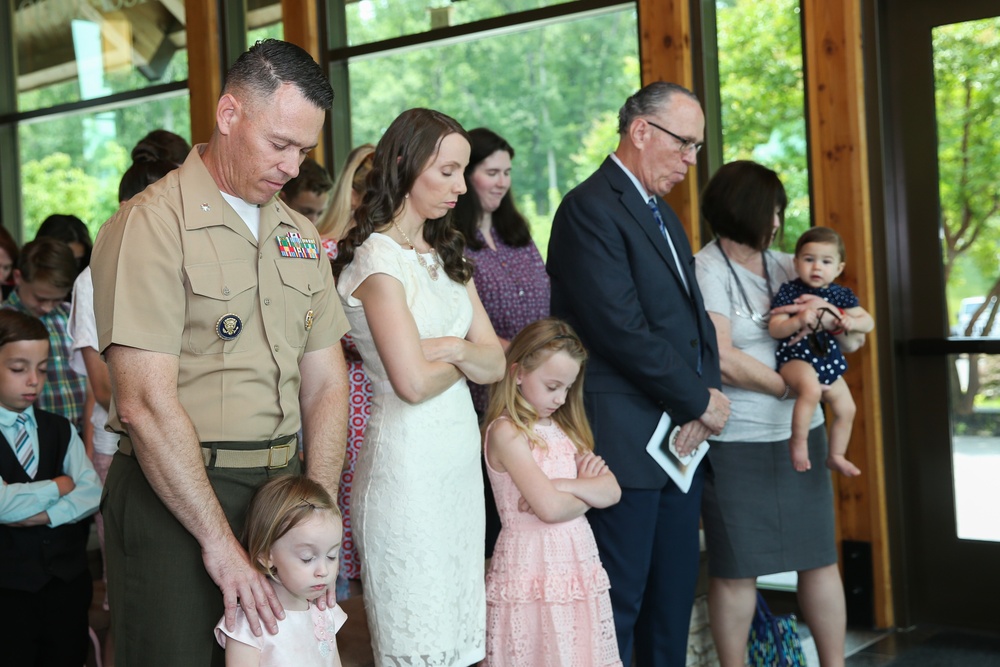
point(686, 144)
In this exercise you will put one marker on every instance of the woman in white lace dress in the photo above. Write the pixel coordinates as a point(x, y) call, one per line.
point(422, 332)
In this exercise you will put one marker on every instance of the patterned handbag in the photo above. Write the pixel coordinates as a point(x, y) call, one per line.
point(774, 640)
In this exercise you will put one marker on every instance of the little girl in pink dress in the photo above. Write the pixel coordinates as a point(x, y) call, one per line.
point(292, 535)
point(546, 591)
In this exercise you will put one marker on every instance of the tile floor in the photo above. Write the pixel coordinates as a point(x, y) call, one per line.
point(864, 648)
point(879, 648)
point(857, 642)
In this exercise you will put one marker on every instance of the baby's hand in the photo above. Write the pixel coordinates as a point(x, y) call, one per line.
point(807, 318)
point(590, 465)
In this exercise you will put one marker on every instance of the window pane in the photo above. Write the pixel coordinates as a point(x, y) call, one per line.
point(967, 111)
point(975, 444)
point(763, 99)
point(375, 20)
point(264, 21)
point(70, 51)
point(552, 92)
point(73, 164)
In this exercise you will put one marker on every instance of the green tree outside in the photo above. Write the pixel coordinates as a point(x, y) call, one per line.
point(374, 20)
point(967, 100)
point(763, 97)
point(552, 92)
point(72, 164)
point(967, 105)
point(83, 158)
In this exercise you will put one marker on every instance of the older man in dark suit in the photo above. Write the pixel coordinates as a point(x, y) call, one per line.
point(623, 275)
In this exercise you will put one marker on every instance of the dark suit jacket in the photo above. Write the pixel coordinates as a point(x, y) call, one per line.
point(615, 281)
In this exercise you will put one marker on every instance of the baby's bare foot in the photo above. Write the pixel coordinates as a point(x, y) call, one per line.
point(839, 463)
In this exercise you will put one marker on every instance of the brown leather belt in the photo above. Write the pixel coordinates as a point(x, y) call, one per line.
point(271, 454)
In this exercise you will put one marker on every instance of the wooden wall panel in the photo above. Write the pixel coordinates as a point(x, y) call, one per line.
point(832, 47)
point(204, 58)
point(301, 22)
point(665, 55)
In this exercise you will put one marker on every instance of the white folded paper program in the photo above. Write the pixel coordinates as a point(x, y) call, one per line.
point(661, 447)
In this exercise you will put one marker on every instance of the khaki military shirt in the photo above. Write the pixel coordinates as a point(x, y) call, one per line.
point(177, 271)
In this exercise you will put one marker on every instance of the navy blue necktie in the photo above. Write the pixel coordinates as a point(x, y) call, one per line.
point(663, 230)
point(680, 269)
point(659, 218)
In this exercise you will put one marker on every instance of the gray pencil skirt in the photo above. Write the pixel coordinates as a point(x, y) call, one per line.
point(760, 515)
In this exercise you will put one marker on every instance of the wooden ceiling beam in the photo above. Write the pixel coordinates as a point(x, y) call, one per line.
point(176, 9)
point(133, 36)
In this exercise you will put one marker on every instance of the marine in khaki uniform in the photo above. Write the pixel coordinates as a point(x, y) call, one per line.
point(217, 314)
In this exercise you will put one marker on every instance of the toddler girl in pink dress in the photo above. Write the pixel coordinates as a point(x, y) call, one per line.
point(293, 533)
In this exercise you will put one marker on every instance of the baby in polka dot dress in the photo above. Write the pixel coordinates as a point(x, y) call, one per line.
point(807, 362)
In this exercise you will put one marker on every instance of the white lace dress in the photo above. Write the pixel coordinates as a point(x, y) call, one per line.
point(417, 502)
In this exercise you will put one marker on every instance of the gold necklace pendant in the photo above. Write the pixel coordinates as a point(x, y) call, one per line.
point(431, 269)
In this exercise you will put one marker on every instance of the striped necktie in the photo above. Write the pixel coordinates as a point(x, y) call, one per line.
point(23, 450)
point(673, 251)
point(680, 269)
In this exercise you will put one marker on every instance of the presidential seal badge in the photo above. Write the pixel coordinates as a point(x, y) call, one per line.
point(229, 326)
point(310, 316)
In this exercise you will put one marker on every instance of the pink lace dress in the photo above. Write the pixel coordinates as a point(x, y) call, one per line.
point(547, 600)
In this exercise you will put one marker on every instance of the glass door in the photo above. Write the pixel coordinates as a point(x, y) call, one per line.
point(941, 74)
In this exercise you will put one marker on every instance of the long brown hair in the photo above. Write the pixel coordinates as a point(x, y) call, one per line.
point(507, 221)
point(402, 154)
point(531, 347)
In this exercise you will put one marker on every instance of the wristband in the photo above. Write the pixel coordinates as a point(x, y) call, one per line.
point(785, 393)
